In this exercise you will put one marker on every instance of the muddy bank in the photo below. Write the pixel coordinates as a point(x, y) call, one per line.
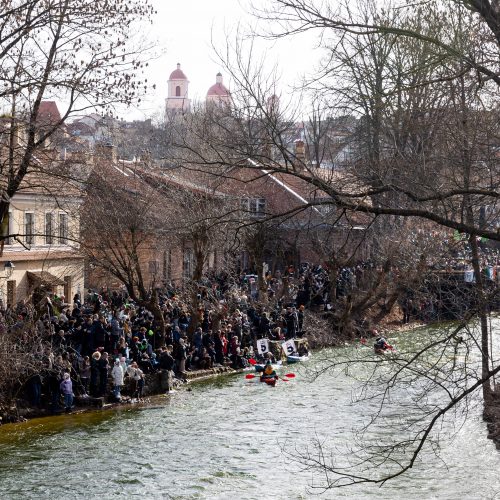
point(491, 415)
point(321, 334)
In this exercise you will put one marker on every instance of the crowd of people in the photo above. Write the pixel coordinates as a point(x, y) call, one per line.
point(105, 344)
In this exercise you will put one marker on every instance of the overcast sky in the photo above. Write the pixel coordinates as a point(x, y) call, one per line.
point(183, 30)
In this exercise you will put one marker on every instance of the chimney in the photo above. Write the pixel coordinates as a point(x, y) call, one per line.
point(300, 151)
point(106, 151)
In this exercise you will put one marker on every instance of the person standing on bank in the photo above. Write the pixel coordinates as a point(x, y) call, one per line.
point(66, 388)
point(117, 374)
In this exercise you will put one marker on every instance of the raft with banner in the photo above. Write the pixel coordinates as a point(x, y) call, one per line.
point(294, 355)
point(296, 359)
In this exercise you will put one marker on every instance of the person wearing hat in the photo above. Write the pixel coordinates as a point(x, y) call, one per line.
point(146, 347)
point(269, 373)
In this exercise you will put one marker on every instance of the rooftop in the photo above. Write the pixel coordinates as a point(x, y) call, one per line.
point(178, 74)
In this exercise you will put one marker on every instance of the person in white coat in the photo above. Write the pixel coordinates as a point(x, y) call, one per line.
point(117, 375)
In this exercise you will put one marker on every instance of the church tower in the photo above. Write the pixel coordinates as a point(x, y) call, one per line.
point(218, 93)
point(178, 86)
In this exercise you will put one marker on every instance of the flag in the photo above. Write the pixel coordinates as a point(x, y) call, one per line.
point(262, 346)
point(288, 347)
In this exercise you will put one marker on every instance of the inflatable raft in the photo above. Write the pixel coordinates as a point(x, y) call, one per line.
point(296, 359)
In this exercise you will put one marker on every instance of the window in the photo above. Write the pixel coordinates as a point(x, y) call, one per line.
point(49, 228)
point(63, 228)
point(254, 207)
point(167, 264)
point(7, 229)
point(177, 91)
point(11, 293)
point(68, 284)
point(258, 207)
point(187, 267)
point(154, 267)
point(29, 228)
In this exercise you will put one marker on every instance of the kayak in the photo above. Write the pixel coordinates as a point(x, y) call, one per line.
point(269, 380)
point(296, 359)
point(383, 352)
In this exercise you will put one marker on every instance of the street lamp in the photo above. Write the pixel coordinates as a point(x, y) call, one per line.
point(9, 267)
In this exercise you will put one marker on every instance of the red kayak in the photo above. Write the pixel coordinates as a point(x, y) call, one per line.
point(269, 380)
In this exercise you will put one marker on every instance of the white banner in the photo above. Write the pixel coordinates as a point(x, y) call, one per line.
point(262, 346)
point(288, 347)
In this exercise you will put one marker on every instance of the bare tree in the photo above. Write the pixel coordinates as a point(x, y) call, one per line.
point(123, 232)
point(75, 51)
point(422, 89)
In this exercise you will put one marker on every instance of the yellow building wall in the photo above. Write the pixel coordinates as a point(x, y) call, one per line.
point(60, 259)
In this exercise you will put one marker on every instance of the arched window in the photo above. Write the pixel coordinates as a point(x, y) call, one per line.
point(178, 91)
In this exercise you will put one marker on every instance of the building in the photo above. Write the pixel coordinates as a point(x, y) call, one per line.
point(178, 92)
point(148, 239)
point(40, 251)
point(218, 93)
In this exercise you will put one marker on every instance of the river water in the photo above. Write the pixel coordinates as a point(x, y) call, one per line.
point(224, 440)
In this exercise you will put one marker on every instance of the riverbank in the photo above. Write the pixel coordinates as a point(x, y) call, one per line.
point(219, 438)
point(321, 335)
point(152, 389)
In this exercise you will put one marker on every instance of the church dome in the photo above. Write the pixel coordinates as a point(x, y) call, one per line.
point(218, 89)
point(178, 74)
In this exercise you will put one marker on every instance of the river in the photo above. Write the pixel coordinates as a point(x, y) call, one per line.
point(223, 439)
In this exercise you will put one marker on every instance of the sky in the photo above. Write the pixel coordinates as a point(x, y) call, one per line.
point(182, 33)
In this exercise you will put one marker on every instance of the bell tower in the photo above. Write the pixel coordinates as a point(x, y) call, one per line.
point(178, 87)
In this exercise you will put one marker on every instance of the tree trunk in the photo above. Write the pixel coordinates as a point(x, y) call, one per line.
point(483, 317)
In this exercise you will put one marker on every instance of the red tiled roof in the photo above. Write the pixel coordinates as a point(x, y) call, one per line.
point(48, 112)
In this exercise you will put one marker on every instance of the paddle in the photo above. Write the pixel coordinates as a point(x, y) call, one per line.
point(252, 362)
point(249, 376)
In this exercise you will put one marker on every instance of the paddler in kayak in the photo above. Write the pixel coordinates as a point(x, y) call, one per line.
point(381, 345)
point(268, 375)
